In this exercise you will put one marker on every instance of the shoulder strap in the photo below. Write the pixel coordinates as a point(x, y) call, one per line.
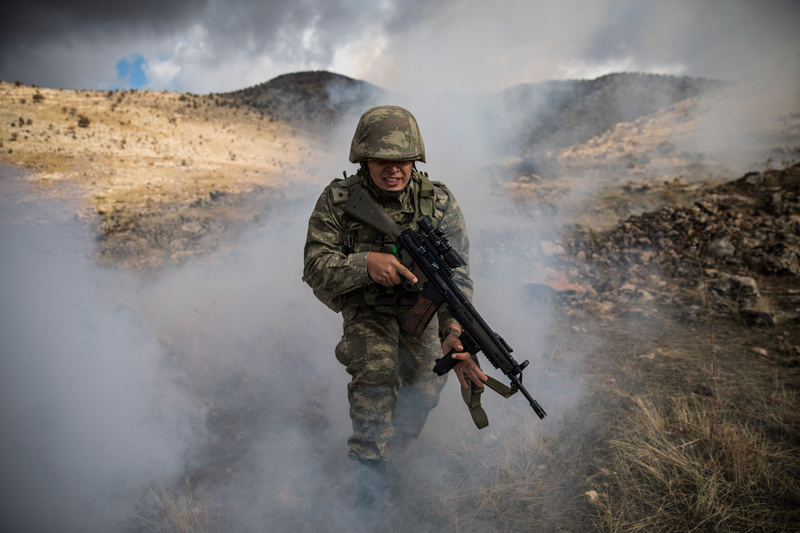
point(425, 194)
point(352, 181)
point(343, 188)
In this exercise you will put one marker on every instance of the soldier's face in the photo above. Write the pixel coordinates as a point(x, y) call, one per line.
point(390, 175)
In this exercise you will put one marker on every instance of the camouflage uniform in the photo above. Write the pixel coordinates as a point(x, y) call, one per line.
point(393, 387)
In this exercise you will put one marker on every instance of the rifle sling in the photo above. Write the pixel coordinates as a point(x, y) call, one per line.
point(472, 397)
point(500, 388)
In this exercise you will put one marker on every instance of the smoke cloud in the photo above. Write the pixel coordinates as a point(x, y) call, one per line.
point(88, 415)
point(214, 386)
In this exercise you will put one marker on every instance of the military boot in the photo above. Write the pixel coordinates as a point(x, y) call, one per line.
point(373, 485)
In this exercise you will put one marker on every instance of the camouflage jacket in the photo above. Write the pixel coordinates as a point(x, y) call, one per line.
point(336, 248)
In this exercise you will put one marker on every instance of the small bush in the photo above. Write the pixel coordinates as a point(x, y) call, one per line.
point(83, 121)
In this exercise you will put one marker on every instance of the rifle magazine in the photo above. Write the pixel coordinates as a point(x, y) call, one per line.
point(420, 315)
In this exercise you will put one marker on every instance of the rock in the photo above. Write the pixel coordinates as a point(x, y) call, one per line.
point(593, 496)
point(556, 281)
point(703, 390)
point(742, 290)
point(757, 317)
point(723, 247)
point(604, 308)
point(628, 288)
point(550, 249)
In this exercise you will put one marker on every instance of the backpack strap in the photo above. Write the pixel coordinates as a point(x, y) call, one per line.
point(425, 195)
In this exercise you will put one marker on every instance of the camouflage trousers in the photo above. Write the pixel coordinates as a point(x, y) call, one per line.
point(393, 387)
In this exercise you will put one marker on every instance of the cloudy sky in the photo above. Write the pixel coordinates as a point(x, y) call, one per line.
point(444, 45)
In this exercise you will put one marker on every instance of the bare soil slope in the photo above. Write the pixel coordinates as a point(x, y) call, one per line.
point(160, 170)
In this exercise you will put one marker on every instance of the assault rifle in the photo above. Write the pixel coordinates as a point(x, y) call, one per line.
point(432, 259)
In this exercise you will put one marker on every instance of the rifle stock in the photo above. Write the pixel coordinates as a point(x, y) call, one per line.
point(363, 206)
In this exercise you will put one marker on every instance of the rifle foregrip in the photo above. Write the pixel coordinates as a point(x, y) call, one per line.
point(445, 364)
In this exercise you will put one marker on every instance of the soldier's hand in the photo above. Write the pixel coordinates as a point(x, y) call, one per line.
point(466, 365)
point(387, 270)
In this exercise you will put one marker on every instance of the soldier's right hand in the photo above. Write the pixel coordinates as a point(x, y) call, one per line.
point(387, 270)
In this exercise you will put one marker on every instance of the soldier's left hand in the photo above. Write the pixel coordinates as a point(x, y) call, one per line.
point(466, 365)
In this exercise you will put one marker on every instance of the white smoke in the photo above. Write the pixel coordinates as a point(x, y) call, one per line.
point(88, 415)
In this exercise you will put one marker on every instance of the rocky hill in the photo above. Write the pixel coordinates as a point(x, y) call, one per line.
point(557, 114)
point(318, 97)
point(744, 235)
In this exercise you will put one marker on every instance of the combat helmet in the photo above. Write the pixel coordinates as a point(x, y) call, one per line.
point(387, 133)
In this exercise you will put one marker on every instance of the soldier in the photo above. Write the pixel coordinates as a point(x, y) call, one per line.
point(352, 269)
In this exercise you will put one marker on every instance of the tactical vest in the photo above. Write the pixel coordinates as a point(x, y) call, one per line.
point(359, 237)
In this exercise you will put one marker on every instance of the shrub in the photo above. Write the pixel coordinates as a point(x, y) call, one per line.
point(83, 121)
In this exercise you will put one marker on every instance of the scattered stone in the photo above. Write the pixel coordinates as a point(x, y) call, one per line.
point(757, 317)
point(723, 247)
point(736, 233)
point(593, 496)
point(703, 390)
point(741, 289)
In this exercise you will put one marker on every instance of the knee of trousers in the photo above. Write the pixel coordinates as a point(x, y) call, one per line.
point(370, 350)
point(373, 377)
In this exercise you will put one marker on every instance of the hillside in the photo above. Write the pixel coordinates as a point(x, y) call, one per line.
point(311, 98)
point(158, 171)
point(557, 114)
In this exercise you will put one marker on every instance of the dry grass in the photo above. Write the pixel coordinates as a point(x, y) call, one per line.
point(178, 511)
point(683, 457)
point(509, 479)
point(665, 472)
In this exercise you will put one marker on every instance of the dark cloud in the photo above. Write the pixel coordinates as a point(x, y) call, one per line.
point(216, 45)
point(304, 32)
point(52, 21)
point(712, 38)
